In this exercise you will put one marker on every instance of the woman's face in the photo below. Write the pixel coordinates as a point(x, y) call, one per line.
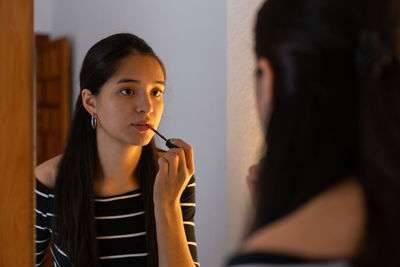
point(264, 91)
point(130, 99)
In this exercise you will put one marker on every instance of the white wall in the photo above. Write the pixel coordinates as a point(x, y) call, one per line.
point(43, 16)
point(207, 49)
point(244, 135)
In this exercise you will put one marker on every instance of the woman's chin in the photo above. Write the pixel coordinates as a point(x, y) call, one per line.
point(141, 141)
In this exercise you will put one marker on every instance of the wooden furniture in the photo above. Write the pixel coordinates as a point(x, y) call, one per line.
point(52, 96)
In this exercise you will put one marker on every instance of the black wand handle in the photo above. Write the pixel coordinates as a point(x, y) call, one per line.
point(170, 145)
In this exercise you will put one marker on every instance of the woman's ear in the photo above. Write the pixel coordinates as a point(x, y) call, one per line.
point(265, 89)
point(89, 101)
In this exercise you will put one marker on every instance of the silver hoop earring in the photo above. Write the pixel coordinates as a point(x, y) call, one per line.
point(94, 122)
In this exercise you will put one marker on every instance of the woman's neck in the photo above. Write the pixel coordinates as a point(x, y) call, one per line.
point(118, 163)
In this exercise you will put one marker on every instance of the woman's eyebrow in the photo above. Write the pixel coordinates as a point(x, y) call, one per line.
point(128, 80)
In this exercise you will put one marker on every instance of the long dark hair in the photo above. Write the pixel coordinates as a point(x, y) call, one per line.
point(74, 224)
point(336, 111)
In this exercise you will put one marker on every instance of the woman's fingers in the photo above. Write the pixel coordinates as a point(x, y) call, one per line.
point(188, 153)
point(182, 168)
point(252, 179)
point(163, 166)
point(173, 161)
point(176, 168)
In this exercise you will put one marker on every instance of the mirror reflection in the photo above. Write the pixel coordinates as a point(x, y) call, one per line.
point(112, 197)
point(195, 52)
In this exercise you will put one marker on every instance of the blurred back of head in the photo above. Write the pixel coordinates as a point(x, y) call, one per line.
point(336, 111)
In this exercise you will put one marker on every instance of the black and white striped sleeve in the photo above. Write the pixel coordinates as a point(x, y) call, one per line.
point(41, 222)
point(188, 206)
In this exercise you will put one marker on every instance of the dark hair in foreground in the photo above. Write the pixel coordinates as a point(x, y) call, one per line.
point(336, 111)
point(73, 204)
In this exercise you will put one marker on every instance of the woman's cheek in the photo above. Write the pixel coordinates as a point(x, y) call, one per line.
point(159, 110)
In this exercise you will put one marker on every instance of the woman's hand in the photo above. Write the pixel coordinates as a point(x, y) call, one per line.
point(252, 180)
point(176, 167)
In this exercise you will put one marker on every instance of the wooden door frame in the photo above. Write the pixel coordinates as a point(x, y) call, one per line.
point(16, 134)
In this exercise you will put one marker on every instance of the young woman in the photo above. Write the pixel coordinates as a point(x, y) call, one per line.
point(112, 198)
point(327, 192)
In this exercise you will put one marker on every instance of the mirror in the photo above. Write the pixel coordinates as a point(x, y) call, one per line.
point(207, 51)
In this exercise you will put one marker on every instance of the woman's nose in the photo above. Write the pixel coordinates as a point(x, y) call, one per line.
point(143, 104)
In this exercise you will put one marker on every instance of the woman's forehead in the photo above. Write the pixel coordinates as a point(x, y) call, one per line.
point(137, 66)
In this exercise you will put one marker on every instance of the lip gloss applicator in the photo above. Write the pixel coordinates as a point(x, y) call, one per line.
point(168, 141)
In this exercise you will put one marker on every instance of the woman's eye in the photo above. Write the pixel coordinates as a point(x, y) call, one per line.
point(157, 92)
point(127, 91)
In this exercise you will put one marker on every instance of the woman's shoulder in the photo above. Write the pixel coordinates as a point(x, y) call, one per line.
point(330, 225)
point(275, 259)
point(46, 172)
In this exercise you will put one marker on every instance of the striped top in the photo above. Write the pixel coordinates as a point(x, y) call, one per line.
point(120, 227)
point(278, 260)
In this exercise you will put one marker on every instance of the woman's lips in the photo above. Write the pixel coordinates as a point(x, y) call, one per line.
point(141, 127)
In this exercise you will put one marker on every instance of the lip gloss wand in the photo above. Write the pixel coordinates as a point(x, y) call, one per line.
point(168, 141)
